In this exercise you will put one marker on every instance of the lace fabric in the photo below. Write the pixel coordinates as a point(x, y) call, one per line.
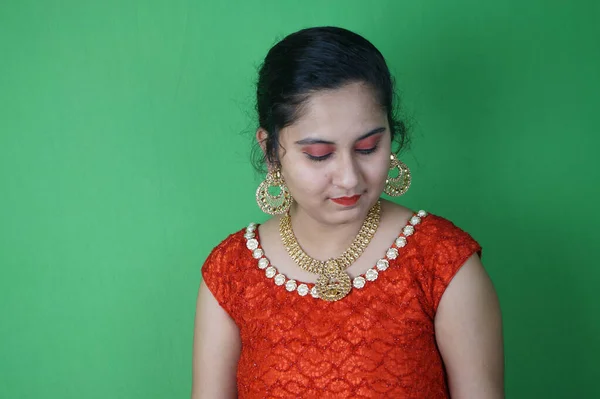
point(377, 342)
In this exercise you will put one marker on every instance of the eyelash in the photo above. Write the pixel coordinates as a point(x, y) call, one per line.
point(324, 157)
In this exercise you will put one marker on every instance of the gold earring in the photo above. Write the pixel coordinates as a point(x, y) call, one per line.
point(397, 186)
point(273, 205)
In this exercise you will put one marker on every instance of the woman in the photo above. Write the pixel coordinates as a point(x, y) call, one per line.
point(341, 294)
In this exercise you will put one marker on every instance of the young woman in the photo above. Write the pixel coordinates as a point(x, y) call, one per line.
point(342, 294)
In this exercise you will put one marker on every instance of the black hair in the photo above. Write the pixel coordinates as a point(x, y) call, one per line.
point(313, 59)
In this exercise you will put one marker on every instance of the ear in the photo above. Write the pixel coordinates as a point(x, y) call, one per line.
point(261, 138)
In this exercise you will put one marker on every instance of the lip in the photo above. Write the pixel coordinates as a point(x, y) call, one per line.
point(346, 201)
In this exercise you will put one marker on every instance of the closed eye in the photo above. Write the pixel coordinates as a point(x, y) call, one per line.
point(317, 158)
point(368, 145)
point(362, 151)
point(367, 151)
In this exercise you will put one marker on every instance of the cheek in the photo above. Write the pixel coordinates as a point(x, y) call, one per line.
point(376, 169)
point(312, 180)
point(303, 178)
point(377, 175)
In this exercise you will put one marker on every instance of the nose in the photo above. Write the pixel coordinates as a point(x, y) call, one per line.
point(347, 173)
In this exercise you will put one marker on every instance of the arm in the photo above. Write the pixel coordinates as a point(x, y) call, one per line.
point(468, 329)
point(216, 350)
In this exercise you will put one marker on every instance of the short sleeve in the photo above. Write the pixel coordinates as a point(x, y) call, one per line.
point(450, 248)
point(216, 274)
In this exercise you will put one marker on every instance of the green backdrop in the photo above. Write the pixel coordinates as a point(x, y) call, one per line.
point(125, 132)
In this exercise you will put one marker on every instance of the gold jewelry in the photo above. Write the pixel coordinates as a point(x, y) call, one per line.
point(397, 186)
point(278, 204)
point(333, 283)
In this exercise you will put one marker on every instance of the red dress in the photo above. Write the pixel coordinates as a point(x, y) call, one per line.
point(377, 342)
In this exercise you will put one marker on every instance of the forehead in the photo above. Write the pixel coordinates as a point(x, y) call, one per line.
point(349, 111)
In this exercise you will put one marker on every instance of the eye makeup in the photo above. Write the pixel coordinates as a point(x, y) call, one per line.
point(368, 145)
point(320, 150)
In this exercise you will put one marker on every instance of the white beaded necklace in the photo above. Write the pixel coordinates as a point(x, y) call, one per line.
point(358, 282)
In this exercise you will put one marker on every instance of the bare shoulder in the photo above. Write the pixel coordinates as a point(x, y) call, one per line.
point(395, 214)
point(269, 227)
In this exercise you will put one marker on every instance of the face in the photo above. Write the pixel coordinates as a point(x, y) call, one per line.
point(335, 158)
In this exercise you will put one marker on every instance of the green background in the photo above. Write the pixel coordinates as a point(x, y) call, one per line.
point(125, 136)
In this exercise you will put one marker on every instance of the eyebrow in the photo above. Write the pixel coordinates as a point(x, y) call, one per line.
point(319, 141)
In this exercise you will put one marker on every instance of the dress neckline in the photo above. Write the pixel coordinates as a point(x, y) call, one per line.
point(358, 282)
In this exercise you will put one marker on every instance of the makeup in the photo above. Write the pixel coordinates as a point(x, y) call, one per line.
point(346, 201)
point(318, 150)
point(369, 143)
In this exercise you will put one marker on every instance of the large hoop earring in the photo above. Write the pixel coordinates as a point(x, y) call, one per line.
point(397, 186)
point(273, 205)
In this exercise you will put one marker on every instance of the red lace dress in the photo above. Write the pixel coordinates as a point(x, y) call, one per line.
point(377, 342)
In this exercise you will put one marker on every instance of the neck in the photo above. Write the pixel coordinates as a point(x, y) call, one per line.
point(321, 240)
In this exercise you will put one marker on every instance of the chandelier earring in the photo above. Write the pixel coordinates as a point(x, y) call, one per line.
point(273, 204)
point(396, 186)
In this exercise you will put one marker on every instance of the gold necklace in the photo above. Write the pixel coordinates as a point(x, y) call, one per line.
point(333, 283)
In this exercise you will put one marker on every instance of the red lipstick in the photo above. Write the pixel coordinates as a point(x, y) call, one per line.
point(346, 201)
